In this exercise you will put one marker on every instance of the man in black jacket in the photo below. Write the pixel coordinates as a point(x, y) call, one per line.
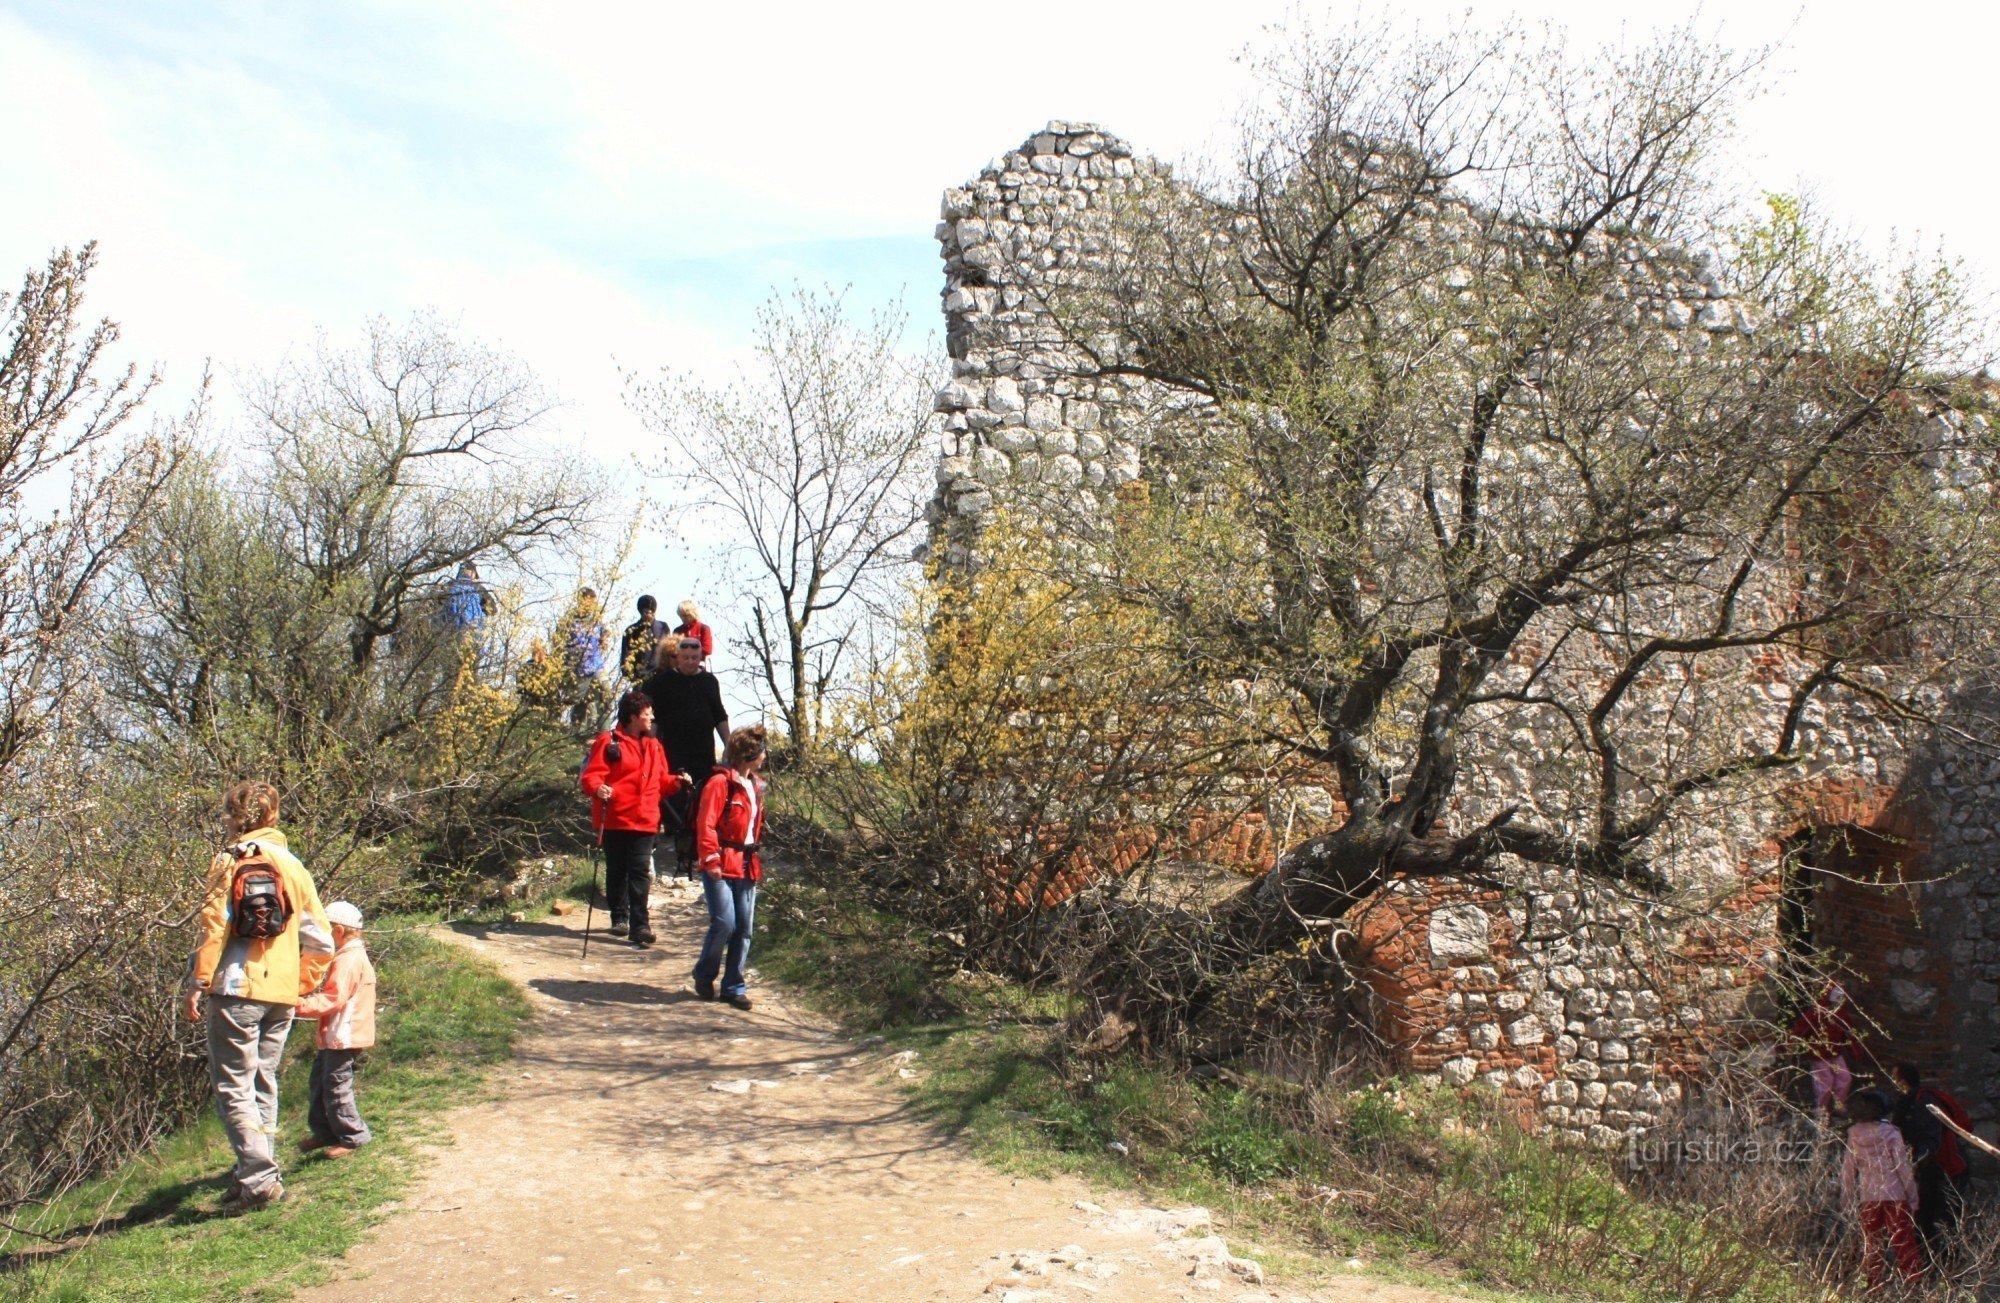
point(688, 718)
point(635, 649)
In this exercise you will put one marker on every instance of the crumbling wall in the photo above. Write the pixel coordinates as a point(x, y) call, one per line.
point(1583, 1002)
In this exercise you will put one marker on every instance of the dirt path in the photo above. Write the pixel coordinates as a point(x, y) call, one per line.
point(644, 1143)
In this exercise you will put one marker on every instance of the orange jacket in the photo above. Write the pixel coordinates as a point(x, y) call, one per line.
point(731, 816)
point(345, 1005)
point(277, 971)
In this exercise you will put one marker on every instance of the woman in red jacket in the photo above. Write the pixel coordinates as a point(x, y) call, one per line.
point(626, 775)
point(692, 627)
point(727, 826)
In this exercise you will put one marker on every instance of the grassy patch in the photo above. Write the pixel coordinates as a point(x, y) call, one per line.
point(444, 1014)
point(1421, 1183)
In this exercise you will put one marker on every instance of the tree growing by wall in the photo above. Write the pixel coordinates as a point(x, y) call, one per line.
point(1457, 452)
point(808, 471)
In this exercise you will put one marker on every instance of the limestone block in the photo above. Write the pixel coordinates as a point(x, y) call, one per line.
point(1526, 1078)
point(1015, 439)
point(976, 503)
point(1459, 933)
point(990, 466)
point(1459, 1072)
point(1912, 997)
point(1485, 1036)
point(1004, 396)
point(1044, 413)
point(1028, 468)
point(1062, 471)
point(1594, 1092)
point(953, 396)
point(1527, 1031)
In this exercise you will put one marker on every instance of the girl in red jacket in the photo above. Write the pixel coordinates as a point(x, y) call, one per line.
point(727, 826)
point(626, 776)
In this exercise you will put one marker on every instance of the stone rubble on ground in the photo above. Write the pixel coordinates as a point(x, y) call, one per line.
point(1205, 1259)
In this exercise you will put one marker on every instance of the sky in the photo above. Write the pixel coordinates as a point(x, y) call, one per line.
point(598, 187)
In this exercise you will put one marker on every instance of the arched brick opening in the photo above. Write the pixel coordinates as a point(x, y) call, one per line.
point(1852, 899)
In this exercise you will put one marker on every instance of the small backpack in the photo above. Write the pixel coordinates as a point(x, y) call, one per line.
point(258, 907)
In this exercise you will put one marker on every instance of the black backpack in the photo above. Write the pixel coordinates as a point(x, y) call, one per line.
point(258, 907)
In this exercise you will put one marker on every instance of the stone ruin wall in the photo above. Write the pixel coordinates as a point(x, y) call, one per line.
point(1536, 991)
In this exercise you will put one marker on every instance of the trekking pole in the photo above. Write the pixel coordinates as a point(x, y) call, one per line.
point(590, 901)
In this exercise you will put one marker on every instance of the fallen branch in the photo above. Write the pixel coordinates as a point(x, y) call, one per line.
point(1985, 1145)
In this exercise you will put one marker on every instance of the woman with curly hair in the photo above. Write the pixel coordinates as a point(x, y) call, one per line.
point(727, 825)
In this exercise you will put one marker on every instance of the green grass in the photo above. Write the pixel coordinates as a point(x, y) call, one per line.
point(1433, 1186)
point(443, 1016)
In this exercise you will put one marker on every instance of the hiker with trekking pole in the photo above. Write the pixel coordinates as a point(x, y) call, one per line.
point(626, 777)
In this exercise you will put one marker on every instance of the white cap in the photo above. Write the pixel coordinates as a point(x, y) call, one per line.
point(348, 916)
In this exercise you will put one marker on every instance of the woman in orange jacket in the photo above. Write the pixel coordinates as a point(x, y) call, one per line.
point(727, 826)
point(626, 777)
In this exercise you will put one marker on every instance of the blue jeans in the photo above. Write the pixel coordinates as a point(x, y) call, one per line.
point(732, 909)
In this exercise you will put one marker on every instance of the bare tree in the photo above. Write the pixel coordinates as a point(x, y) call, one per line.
point(70, 487)
point(1471, 468)
point(285, 604)
point(807, 464)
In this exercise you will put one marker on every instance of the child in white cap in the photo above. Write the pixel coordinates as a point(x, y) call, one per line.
point(345, 1008)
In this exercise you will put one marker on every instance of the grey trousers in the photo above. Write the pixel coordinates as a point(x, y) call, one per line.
point(246, 1038)
point(334, 1116)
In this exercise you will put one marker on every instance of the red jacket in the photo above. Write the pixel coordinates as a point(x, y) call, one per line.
point(637, 782)
point(1826, 1032)
point(696, 629)
point(731, 816)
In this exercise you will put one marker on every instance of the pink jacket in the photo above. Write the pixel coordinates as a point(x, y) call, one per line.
point(345, 1005)
point(1877, 1168)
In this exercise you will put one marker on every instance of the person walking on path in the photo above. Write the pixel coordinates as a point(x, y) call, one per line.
point(1940, 1162)
point(584, 641)
point(692, 627)
point(467, 602)
point(1826, 1033)
point(265, 942)
point(644, 639)
point(688, 713)
point(727, 827)
point(1878, 1181)
point(626, 776)
point(345, 1008)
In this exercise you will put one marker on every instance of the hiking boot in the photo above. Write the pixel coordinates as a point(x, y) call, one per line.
point(642, 936)
point(339, 1151)
point(618, 927)
point(704, 990)
point(311, 1143)
point(739, 1001)
point(240, 1200)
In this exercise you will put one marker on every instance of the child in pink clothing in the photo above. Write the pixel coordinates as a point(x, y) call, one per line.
point(1878, 1178)
point(345, 1008)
